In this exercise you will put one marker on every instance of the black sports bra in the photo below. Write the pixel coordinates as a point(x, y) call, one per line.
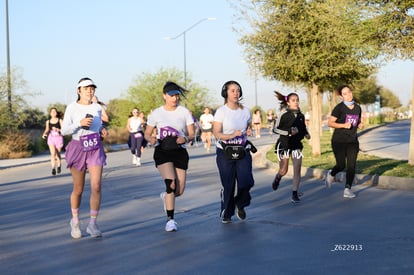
point(56, 125)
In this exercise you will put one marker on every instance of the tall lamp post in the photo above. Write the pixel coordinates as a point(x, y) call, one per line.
point(185, 50)
point(8, 60)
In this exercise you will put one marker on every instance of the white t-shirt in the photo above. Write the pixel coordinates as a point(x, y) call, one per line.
point(74, 113)
point(177, 119)
point(135, 124)
point(206, 121)
point(232, 120)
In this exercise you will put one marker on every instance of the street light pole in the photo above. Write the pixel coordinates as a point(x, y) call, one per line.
point(185, 46)
point(185, 60)
point(8, 60)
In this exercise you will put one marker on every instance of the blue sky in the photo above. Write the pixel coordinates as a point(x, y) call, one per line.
point(55, 43)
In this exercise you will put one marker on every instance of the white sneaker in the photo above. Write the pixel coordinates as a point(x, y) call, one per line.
point(348, 193)
point(75, 231)
point(162, 196)
point(93, 230)
point(329, 179)
point(171, 226)
point(223, 219)
point(134, 159)
point(138, 161)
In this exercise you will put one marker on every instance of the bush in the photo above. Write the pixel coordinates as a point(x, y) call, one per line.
point(375, 120)
point(15, 144)
point(117, 135)
point(37, 143)
point(25, 143)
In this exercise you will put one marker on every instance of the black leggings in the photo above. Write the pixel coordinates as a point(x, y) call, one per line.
point(345, 156)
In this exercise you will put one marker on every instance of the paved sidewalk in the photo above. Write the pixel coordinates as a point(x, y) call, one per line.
point(10, 163)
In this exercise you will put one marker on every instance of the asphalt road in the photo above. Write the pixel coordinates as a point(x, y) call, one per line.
point(389, 141)
point(324, 234)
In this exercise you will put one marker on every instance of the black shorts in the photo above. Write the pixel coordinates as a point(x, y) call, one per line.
point(206, 130)
point(178, 157)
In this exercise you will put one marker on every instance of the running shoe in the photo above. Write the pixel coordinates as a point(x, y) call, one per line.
point(134, 159)
point(329, 179)
point(224, 220)
point(276, 181)
point(295, 198)
point(171, 226)
point(138, 161)
point(93, 230)
point(241, 214)
point(348, 193)
point(59, 170)
point(53, 171)
point(75, 231)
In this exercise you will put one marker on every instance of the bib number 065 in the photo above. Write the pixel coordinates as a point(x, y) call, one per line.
point(91, 142)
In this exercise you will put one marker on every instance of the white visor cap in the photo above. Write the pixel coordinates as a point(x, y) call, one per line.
point(86, 83)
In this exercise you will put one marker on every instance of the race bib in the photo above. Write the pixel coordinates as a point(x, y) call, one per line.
point(354, 119)
point(138, 135)
point(239, 140)
point(54, 133)
point(168, 132)
point(90, 142)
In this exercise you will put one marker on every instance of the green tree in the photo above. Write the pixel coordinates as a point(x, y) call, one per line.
point(13, 120)
point(32, 119)
point(146, 91)
point(395, 26)
point(365, 90)
point(389, 99)
point(318, 44)
point(395, 21)
point(15, 142)
point(119, 110)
